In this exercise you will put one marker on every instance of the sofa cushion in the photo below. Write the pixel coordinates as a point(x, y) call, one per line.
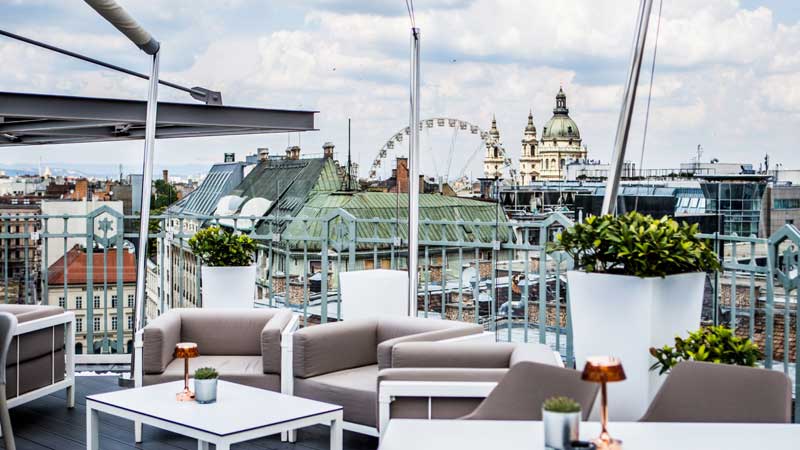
point(225, 331)
point(452, 354)
point(331, 347)
point(354, 389)
point(236, 369)
point(34, 373)
point(160, 337)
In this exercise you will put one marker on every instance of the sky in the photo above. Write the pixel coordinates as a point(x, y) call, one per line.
point(727, 74)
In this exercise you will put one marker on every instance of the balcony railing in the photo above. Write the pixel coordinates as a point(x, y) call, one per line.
point(496, 273)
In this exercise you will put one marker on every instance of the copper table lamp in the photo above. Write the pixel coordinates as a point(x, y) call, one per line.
point(186, 350)
point(604, 369)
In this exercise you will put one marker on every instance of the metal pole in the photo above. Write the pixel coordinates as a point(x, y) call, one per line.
point(626, 114)
point(147, 181)
point(413, 177)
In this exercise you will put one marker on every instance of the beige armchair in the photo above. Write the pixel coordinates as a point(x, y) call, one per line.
point(339, 362)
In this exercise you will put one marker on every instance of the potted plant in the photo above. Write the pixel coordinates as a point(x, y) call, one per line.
point(561, 417)
point(638, 282)
point(228, 273)
point(205, 385)
point(712, 344)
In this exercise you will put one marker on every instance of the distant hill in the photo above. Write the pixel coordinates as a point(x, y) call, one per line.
point(99, 170)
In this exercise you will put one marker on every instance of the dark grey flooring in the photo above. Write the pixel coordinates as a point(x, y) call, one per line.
point(48, 424)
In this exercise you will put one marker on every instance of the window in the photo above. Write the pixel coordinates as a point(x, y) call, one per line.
point(130, 322)
point(96, 324)
point(113, 322)
point(79, 302)
point(97, 302)
point(61, 302)
point(787, 203)
point(79, 324)
point(130, 300)
point(113, 301)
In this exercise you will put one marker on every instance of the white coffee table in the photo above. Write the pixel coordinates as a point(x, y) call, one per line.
point(241, 413)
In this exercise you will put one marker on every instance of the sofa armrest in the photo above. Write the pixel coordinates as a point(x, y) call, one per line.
point(330, 347)
point(160, 337)
point(271, 340)
point(385, 348)
point(452, 355)
point(538, 353)
point(430, 384)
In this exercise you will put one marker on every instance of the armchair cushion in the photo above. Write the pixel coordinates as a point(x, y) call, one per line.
point(532, 352)
point(452, 355)
point(354, 389)
point(225, 331)
point(236, 369)
point(271, 340)
point(335, 346)
point(160, 337)
point(417, 330)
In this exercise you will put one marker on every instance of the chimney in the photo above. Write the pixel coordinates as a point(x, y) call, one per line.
point(327, 150)
point(230, 157)
point(402, 175)
point(165, 175)
point(263, 154)
point(293, 152)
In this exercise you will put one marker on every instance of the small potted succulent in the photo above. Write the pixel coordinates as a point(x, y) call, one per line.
point(228, 273)
point(713, 344)
point(562, 418)
point(205, 385)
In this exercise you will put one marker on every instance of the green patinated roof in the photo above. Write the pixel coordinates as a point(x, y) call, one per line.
point(369, 205)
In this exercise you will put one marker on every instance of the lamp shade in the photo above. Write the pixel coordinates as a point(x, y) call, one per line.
point(603, 369)
point(186, 350)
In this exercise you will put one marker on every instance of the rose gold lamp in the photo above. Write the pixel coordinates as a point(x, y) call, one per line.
point(604, 369)
point(186, 350)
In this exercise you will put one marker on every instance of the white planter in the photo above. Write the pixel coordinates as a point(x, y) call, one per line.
point(229, 287)
point(623, 316)
point(560, 429)
point(205, 391)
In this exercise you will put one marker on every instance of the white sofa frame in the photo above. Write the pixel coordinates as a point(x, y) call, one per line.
point(389, 391)
point(68, 320)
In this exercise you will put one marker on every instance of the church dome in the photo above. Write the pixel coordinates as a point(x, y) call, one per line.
point(561, 127)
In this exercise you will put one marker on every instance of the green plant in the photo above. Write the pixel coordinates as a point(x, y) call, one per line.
point(561, 405)
point(219, 247)
point(713, 344)
point(638, 245)
point(206, 373)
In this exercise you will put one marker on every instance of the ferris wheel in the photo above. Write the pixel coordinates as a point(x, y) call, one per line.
point(462, 135)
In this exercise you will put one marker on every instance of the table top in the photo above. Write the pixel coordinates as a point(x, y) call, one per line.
point(404, 434)
point(238, 408)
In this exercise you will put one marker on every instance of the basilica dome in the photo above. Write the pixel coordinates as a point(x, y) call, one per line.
point(561, 127)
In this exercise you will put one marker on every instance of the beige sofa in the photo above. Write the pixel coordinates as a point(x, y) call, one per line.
point(244, 345)
point(339, 362)
point(41, 356)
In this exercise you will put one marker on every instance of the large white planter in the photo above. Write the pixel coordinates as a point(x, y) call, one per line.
point(229, 287)
point(623, 316)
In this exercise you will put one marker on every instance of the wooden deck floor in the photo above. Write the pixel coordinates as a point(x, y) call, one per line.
point(48, 424)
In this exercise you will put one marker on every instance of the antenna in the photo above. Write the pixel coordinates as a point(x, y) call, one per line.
point(348, 156)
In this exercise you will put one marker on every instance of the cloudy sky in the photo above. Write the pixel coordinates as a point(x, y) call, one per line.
point(727, 74)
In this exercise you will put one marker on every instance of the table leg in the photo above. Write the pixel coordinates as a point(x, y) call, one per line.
point(336, 432)
point(92, 429)
point(202, 445)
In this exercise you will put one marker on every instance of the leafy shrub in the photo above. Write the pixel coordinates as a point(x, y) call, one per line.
point(219, 247)
point(561, 405)
point(206, 373)
point(713, 344)
point(639, 245)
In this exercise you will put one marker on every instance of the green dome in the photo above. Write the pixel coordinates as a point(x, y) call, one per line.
point(560, 127)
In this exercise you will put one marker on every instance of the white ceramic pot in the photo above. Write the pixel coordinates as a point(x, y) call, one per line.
point(205, 391)
point(560, 429)
point(623, 316)
point(228, 287)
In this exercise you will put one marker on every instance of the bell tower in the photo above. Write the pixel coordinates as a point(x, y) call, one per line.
point(527, 161)
point(493, 160)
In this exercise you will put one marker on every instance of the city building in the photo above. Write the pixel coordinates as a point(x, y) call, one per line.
point(738, 198)
point(100, 291)
point(781, 207)
point(20, 255)
point(494, 160)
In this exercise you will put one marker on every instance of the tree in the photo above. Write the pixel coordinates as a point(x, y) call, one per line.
point(164, 195)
